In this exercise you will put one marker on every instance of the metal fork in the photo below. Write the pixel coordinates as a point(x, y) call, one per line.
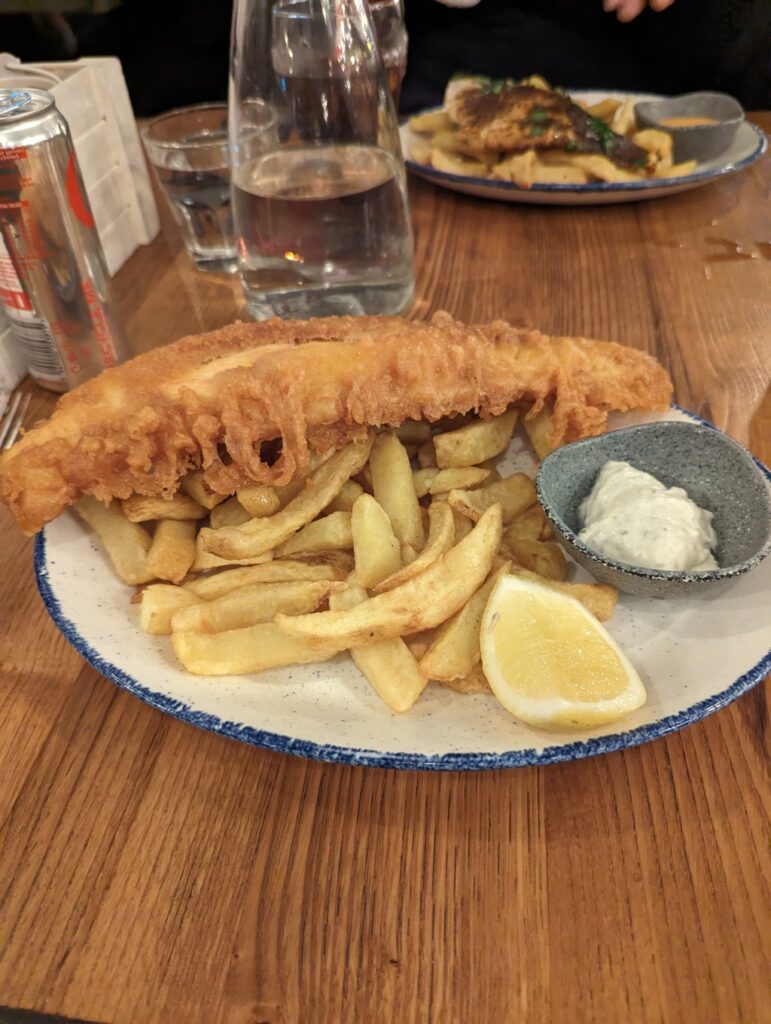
point(12, 419)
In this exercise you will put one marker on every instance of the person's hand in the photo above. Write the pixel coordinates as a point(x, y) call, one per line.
point(627, 10)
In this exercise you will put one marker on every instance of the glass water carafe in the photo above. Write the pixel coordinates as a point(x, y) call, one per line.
point(318, 182)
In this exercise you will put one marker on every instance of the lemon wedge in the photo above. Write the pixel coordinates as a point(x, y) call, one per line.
point(550, 662)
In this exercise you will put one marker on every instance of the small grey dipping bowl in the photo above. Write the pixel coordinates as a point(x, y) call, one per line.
point(716, 472)
point(699, 142)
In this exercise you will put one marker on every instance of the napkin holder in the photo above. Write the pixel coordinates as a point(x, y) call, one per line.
point(91, 95)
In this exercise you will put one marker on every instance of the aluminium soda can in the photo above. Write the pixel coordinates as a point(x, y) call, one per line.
point(53, 278)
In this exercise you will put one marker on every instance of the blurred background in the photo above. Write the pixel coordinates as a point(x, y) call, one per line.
point(175, 52)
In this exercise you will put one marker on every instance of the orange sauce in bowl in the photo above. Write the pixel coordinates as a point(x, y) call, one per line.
point(687, 122)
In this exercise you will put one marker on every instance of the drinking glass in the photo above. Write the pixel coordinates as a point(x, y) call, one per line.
point(321, 217)
point(188, 149)
point(391, 36)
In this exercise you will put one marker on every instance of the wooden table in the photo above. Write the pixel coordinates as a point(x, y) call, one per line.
point(150, 872)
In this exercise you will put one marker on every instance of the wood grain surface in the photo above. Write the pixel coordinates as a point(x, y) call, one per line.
point(150, 872)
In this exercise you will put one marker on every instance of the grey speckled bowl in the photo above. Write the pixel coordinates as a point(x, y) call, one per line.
point(697, 142)
point(717, 474)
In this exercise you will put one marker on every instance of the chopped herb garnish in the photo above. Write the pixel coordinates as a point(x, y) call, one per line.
point(537, 129)
point(603, 133)
point(538, 115)
point(495, 86)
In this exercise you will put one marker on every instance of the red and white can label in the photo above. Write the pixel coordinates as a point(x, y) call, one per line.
point(32, 333)
point(12, 295)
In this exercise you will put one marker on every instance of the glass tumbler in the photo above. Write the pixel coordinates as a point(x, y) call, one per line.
point(188, 149)
point(321, 215)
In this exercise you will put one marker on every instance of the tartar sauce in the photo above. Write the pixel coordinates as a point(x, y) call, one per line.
point(632, 517)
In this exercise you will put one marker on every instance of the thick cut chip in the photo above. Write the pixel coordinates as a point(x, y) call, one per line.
point(519, 168)
point(675, 170)
point(376, 549)
point(126, 543)
point(423, 602)
point(393, 488)
point(364, 479)
point(240, 651)
point(538, 556)
point(454, 144)
point(463, 525)
point(286, 492)
point(624, 120)
point(228, 580)
point(419, 643)
point(654, 141)
point(429, 122)
point(474, 682)
point(389, 666)
point(528, 525)
point(454, 650)
point(205, 560)
point(140, 509)
point(495, 475)
point(261, 535)
point(330, 533)
point(346, 497)
point(341, 562)
point(514, 494)
point(159, 603)
point(229, 513)
point(455, 163)
point(257, 602)
point(440, 481)
point(441, 537)
point(172, 551)
point(476, 442)
point(259, 500)
point(605, 109)
point(602, 168)
point(557, 169)
point(427, 455)
point(540, 430)
point(415, 432)
point(420, 151)
point(196, 488)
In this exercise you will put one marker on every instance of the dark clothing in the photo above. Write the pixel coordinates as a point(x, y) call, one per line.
point(175, 52)
point(696, 44)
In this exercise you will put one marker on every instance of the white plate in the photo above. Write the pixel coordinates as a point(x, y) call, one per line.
point(749, 144)
point(694, 656)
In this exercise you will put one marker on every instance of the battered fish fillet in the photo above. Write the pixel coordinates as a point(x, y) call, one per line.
point(220, 401)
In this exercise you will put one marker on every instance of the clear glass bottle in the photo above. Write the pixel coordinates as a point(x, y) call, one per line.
point(318, 182)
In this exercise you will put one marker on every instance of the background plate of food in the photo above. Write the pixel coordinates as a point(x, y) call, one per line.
point(693, 655)
point(523, 142)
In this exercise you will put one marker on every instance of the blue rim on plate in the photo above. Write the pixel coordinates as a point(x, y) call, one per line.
point(600, 187)
point(476, 761)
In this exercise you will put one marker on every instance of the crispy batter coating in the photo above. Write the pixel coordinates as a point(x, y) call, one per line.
point(211, 401)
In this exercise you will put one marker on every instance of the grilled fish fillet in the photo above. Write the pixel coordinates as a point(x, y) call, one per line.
point(517, 118)
point(221, 400)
